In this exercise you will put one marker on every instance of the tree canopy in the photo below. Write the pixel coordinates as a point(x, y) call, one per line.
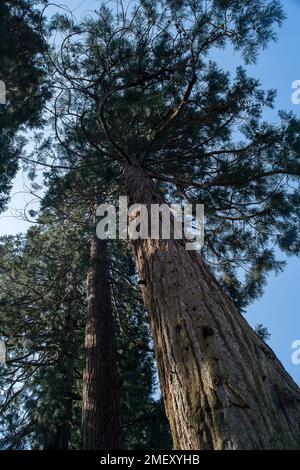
point(144, 85)
point(23, 71)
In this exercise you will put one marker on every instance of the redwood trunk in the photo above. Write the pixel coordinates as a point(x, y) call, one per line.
point(223, 387)
point(101, 420)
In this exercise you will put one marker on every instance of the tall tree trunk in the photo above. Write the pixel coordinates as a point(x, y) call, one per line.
point(223, 387)
point(59, 437)
point(101, 419)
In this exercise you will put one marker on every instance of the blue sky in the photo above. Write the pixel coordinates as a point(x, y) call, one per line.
point(279, 308)
point(277, 67)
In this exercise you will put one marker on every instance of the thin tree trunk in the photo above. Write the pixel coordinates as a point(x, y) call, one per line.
point(101, 419)
point(223, 387)
point(59, 438)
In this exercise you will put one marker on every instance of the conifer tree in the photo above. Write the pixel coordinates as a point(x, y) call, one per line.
point(43, 306)
point(23, 77)
point(175, 124)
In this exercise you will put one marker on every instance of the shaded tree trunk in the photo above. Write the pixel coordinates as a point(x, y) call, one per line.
point(101, 419)
point(59, 438)
point(223, 387)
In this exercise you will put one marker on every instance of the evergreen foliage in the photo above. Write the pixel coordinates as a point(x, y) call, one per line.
point(23, 71)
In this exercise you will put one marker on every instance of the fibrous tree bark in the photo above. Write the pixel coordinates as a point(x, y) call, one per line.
point(101, 428)
point(223, 387)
